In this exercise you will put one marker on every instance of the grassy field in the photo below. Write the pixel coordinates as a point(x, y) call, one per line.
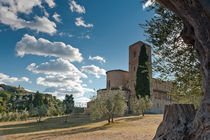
point(81, 127)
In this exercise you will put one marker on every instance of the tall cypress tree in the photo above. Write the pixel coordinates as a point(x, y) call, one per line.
point(142, 75)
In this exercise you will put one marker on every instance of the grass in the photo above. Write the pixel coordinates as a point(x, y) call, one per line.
point(81, 127)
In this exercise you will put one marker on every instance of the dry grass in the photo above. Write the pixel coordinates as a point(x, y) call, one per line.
point(81, 127)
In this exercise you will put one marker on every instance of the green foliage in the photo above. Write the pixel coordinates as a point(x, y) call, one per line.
point(24, 115)
point(13, 101)
point(41, 111)
point(68, 103)
point(140, 105)
point(108, 106)
point(79, 110)
point(174, 60)
point(38, 100)
point(142, 75)
point(14, 116)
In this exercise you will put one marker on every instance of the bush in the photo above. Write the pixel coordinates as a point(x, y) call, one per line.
point(14, 116)
point(5, 117)
point(24, 115)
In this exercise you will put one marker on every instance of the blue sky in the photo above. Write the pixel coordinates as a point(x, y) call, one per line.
point(65, 46)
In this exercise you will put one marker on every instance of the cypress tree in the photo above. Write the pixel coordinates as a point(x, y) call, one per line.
point(142, 75)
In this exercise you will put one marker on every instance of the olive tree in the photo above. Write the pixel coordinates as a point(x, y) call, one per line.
point(140, 105)
point(108, 106)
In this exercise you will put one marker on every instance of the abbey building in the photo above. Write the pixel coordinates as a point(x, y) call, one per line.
point(126, 80)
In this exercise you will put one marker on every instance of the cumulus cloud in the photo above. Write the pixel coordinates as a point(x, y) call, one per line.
point(10, 9)
point(94, 70)
point(42, 47)
point(97, 58)
point(61, 77)
point(60, 85)
point(56, 67)
point(148, 3)
point(57, 17)
point(80, 22)
point(74, 7)
point(7, 79)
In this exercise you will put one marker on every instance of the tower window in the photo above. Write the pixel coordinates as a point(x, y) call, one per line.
point(134, 54)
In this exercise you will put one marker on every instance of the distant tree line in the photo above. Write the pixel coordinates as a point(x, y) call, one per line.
point(16, 105)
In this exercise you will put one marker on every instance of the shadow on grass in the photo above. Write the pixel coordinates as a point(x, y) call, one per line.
point(68, 132)
point(47, 124)
point(136, 118)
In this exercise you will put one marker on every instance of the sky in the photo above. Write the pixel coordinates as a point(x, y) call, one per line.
point(66, 46)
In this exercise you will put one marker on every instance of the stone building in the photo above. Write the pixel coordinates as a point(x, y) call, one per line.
point(126, 80)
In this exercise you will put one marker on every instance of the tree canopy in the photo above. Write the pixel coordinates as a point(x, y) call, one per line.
point(108, 106)
point(174, 60)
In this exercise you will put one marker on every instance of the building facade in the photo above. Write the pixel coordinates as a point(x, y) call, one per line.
point(126, 80)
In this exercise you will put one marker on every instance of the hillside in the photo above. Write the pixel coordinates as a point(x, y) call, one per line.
point(18, 99)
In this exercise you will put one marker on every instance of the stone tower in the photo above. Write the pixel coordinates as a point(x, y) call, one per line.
point(134, 51)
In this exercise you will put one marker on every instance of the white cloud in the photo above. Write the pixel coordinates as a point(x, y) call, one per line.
point(94, 70)
point(42, 47)
point(98, 58)
point(59, 85)
point(74, 7)
point(57, 17)
point(61, 77)
point(148, 3)
point(50, 3)
point(81, 101)
point(87, 37)
point(80, 22)
point(57, 67)
point(65, 34)
point(7, 79)
point(10, 9)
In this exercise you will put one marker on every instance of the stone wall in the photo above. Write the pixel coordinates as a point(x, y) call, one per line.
point(116, 79)
point(159, 95)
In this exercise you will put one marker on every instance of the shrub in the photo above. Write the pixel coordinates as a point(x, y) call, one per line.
point(14, 116)
point(24, 115)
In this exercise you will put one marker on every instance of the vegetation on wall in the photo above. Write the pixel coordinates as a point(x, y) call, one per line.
point(142, 75)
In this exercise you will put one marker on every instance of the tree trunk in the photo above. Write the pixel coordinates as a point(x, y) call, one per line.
point(142, 113)
point(196, 17)
point(176, 122)
point(108, 120)
point(112, 119)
